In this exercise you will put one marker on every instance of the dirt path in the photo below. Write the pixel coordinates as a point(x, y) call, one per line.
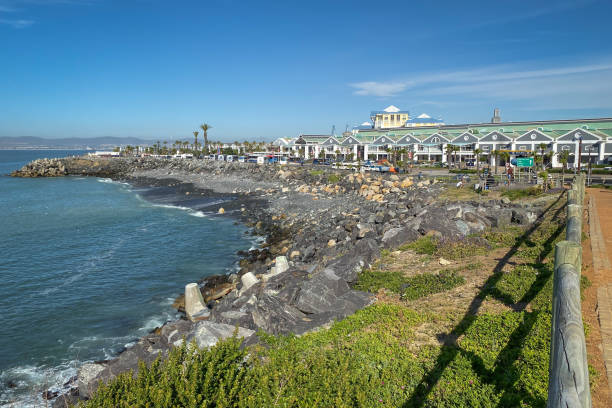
point(597, 304)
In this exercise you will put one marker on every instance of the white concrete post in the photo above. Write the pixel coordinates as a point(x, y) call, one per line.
point(248, 280)
point(195, 308)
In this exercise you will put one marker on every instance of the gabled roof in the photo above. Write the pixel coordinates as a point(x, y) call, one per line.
point(534, 136)
point(281, 141)
point(392, 109)
point(464, 138)
point(383, 140)
point(579, 133)
point(495, 136)
point(331, 141)
point(429, 140)
point(407, 140)
point(300, 141)
point(349, 141)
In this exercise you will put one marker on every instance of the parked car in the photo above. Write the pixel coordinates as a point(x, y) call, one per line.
point(229, 158)
point(242, 159)
point(282, 161)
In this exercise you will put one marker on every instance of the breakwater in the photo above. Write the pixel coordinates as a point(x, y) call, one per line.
point(328, 224)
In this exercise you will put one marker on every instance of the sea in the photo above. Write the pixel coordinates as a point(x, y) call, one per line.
point(88, 265)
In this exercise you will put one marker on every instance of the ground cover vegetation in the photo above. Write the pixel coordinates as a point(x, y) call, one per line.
point(474, 333)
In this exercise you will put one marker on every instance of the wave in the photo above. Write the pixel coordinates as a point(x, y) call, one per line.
point(190, 211)
point(29, 381)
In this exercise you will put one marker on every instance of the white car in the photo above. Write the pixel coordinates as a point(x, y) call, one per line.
point(282, 160)
point(229, 158)
point(242, 159)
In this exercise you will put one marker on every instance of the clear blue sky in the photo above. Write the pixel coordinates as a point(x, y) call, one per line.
point(156, 69)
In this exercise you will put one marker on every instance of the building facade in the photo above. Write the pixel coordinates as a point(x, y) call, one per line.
point(584, 140)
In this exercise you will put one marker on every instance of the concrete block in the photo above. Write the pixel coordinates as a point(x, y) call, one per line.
point(195, 308)
point(248, 280)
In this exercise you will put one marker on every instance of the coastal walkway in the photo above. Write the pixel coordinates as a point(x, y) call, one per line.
point(600, 232)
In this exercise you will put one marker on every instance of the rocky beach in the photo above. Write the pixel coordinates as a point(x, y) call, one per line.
point(322, 226)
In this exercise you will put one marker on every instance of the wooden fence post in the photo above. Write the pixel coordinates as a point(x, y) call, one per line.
point(568, 381)
point(574, 223)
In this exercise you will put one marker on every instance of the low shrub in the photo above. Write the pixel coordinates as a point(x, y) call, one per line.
point(424, 246)
point(333, 178)
point(522, 193)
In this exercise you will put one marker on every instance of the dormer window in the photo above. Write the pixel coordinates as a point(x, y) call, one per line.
point(436, 139)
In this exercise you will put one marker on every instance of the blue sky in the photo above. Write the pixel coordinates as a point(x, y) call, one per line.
point(156, 69)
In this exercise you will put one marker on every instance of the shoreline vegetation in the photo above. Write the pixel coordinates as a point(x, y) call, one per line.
point(396, 295)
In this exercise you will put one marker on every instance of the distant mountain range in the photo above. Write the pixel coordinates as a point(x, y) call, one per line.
point(95, 143)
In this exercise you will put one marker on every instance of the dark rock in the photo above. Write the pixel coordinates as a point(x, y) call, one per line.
point(47, 395)
point(395, 237)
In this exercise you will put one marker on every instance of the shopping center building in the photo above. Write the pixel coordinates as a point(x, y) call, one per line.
point(589, 138)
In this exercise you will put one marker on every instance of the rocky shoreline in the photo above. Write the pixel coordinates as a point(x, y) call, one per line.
point(328, 224)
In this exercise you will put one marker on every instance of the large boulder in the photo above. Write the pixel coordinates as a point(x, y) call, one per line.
point(358, 257)
point(397, 236)
point(327, 292)
point(207, 333)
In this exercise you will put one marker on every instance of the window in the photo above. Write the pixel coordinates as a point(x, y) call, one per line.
point(435, 140)
point(565, 148)
point(522, 147)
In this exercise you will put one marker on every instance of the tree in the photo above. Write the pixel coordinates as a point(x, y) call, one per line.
point(195, 135)
point(542, 147)
point(205, 127)
point(477, 153)
point(322, 154)
point(454, 149)
point(563, 158)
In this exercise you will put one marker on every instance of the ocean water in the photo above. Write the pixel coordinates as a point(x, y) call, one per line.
point(87, 266)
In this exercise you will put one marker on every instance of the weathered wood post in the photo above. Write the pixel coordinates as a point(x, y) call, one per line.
point(568, 380)
point(574, 223)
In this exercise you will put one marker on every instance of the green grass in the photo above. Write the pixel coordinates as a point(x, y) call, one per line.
point(455, 250)
point(522, 193)
point(410, 288)
point(316, 172)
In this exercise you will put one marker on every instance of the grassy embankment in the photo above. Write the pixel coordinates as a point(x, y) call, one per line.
point(473, 333)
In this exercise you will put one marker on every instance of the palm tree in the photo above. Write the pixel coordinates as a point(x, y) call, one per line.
point(542, 147)
point(477, 153)
point(454, 149)
point(205, 127)
point(195, 134)
point(563, 158)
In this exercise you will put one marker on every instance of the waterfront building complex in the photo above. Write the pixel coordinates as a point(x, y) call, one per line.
point(591, 139)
